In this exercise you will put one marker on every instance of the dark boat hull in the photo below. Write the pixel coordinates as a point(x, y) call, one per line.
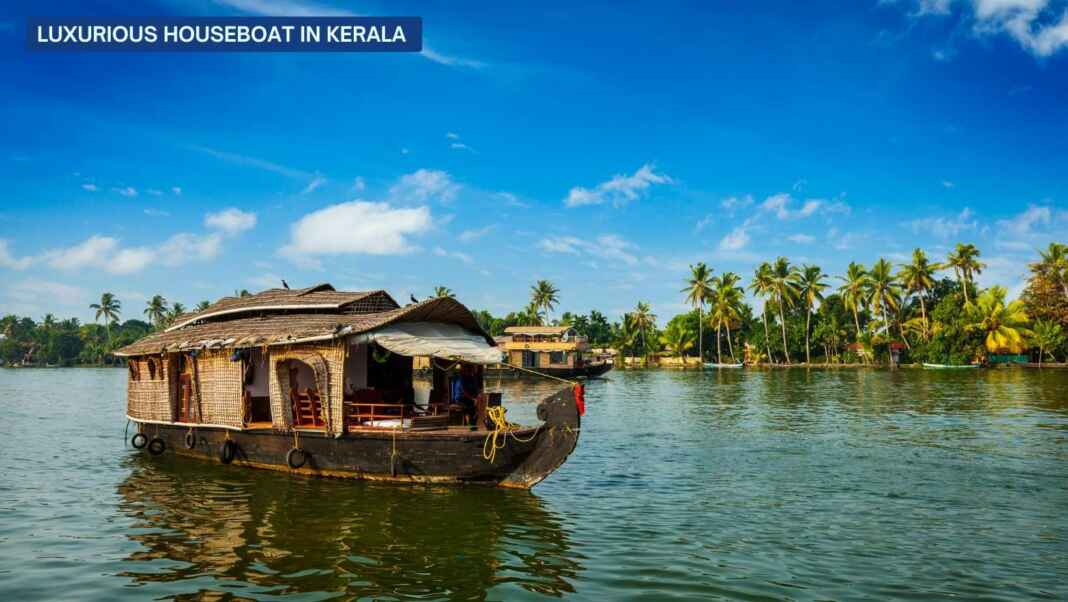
point(587, 371)
point(443, 456)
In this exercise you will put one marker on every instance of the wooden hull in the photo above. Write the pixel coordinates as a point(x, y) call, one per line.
point(587, 371)
point(443, 456)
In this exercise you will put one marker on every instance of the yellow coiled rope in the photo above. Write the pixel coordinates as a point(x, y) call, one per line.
point(498, 437)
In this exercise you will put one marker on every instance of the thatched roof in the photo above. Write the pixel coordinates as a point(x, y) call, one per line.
point(289, 326)
point(315, 299)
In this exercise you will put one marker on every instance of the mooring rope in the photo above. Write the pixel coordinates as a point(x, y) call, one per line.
point(536, 373)
point(501, 430)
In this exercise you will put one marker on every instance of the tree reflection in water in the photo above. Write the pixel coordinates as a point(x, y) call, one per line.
point(220, 532)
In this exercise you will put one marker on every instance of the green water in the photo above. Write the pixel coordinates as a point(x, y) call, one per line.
point(741, 485)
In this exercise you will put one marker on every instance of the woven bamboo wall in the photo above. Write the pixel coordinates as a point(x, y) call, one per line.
point(328, 362)
point(149, 398)
point(219, 386)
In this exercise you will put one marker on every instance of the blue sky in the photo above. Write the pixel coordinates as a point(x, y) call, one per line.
point(604, 147)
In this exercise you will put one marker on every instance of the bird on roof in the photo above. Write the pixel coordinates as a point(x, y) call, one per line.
point(412, 297)
point(285, 284)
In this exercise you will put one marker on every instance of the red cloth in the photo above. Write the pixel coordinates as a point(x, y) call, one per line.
point(580, 399)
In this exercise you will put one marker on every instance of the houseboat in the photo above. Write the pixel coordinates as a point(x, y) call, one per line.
point(318, 381)
point(557, 351)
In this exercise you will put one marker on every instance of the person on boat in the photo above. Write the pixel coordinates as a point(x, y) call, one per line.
point(465, 391)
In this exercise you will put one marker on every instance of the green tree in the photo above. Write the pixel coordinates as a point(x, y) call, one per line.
point(810, 287)
point(784, 290)
point(156, 310)
point(544, 296)
point(883, 291)
point(1004, 326)
point(965, 263)
point(726, 308)
point(643, 320)
point(698, 291)
point(677, 339)
point(1054, 266)
point(918, 279)
point(444, 292)
point(763, 286)
point(108, 308)
point(854, 291)
point(203, 305)
point(1047, 336)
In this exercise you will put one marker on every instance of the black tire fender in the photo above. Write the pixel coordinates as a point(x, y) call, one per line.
point(227, 451)
point(139, 441)
point(190, 440)
point(156, 446)
point(296, 458)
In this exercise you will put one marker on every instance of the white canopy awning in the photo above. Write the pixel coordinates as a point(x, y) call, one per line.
point(445, 341)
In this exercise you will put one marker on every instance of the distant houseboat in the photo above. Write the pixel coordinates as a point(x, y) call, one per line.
point(318, 381)
point(554, 350)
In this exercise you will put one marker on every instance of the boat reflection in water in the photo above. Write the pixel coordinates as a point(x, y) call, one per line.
point(213, 532)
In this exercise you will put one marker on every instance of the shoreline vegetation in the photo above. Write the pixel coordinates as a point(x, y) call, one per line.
point(918, 311)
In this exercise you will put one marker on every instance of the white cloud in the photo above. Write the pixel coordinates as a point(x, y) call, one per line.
point(703, 223)
point(254, 162)
point(461, 146)
point(129, 261)
point(265, 281)
point(801, 239)
point(605, 246)
point(154, 192)
point(126, 191)
point(735, 202)
point(94, 252)
point(157, 212)
point(735, 240)
point(947, 184)
point(424, 185)
point(464, 257)
point(8, 259)
point(1038, 26)
point(231, 221)
point(185, 247)
point(452, 135)
point(316, 181)
point(357, 227)
point(177, 190)
point(1027, 230)
point(1024, 223)
point(30, 293)
point(90, 187)
point(619, 190)
point(510, 199)
point(945, 227)
point(359, 184)
point(475, 234)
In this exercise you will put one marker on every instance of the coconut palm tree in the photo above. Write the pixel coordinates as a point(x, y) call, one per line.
point(156, 310)
point(726, 308)
point(784, 290)
point(678, 340)
point(853, 292)
point(109, 308)
point(1047, 335)
point(544, 295)
point(643, 319)
point(1054, 265)
point(762, 286)
point(203, 305)
point(1004, 325)
point(810, 287)
point(965, 263)
point(883, 290)
point(530, 316)
point(918, 279)
point(443, 292)
point(698, 291)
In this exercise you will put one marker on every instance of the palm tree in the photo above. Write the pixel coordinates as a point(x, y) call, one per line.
point(883, 291)
point(203, 305)
point(544, 296)
point(1047, 335)
point(965, 263)
point(156, 310)
point(643, 319)
point(1054, 265)
point(762, 286)
point(109, 308)
point(852, 291)
point(1004, 326)
point(678, 339)
point(810, 287)
point(698, 291)
point(784, 288)
point(918, 279)
point(444, 291)
point(531, 315)
point(726, 308)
